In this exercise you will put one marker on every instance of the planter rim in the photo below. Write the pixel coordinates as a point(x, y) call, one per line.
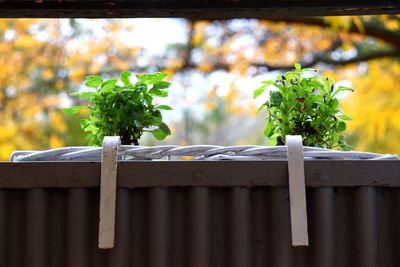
point(199, 152)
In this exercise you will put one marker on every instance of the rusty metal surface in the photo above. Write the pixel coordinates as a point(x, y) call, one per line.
point(200, 226)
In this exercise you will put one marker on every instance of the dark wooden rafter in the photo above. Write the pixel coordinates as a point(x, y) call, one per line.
point(195, 9)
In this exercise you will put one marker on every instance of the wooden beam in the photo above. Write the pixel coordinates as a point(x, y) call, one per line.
point(318, 173)
point(194, 9)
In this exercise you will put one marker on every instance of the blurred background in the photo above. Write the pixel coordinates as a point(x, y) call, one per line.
point(214, 66)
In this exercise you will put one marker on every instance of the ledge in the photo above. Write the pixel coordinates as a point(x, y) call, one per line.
point(319, 173)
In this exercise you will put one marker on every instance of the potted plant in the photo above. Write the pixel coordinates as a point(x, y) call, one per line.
point(306, 105)
point(124, 109)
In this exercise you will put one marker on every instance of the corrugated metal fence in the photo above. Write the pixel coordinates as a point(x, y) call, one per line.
point(199, 226)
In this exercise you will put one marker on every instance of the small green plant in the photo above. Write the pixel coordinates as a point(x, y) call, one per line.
point(125, 109)
point(306, 106)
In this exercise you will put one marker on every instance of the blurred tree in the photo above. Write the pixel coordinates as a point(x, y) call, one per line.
point(42, 60)
point(28, 86)
point(375, 105)
point(276, 44)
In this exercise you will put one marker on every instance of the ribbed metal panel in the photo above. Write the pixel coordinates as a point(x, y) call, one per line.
point(200, 226)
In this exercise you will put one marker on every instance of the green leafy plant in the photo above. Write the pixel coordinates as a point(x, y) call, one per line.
point(125, 109)
point(306, 106)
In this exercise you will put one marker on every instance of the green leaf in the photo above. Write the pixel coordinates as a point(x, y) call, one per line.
point(343, 145)
point(277, 98)
point(334, 104)
point(259, 91)
point(263, 106)
point(108, 85)
point(341, 126)
point(161, 132)
point(151, 78)
point(164, 107)
point(157, 92)
point(87, 95)
point(156, 121)
point(85, 123)
point(148, 99)
point(262, 88)
point(344, 117)
point(297, 66)
point(90, 138)
point(164, 127)
point(90, 127)
point(273, 140)
point(161, 85)
point(71, 110)
point(268, 82)
point(125, 77)
point(93, 81)
point(156, 113)
point(268, 130)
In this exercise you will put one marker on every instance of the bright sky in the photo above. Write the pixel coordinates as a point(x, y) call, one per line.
point(155, 34)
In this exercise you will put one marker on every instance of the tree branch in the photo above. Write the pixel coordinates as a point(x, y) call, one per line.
point(189, 46)
point(319, 58)
point(372, 28)
point(361, 57)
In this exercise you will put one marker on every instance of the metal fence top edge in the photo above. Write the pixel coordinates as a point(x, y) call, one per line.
point(138, 174)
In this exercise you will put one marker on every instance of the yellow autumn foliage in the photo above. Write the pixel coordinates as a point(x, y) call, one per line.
point(30, 81)
point(48, 74)
point(375, 106)
point(55, 141)
point(57, 122)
